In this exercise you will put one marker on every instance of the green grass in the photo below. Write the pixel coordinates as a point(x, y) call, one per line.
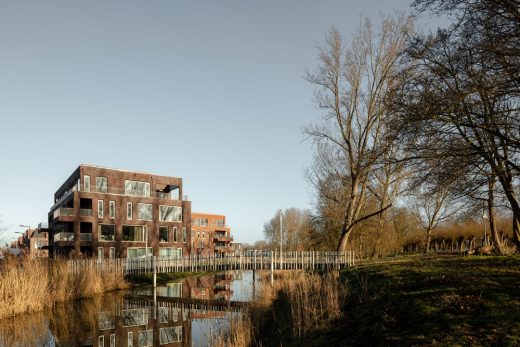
point(423, 301)
point(162, 278)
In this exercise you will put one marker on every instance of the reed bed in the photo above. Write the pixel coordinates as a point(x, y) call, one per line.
point(298, 301)
point(33, 285)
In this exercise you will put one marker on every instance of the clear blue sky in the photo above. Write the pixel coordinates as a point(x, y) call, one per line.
point(210, 91)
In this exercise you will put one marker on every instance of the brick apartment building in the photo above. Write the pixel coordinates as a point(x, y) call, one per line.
point(112, 213)
point(210, 234)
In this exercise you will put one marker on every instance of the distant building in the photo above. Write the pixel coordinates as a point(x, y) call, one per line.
point(35, 242)
point(210, 234)
point(108, 213)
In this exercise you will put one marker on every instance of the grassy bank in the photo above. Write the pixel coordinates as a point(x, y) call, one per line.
point(470, 301)
point(162, 278)
point(416, 300)
point(33, 285)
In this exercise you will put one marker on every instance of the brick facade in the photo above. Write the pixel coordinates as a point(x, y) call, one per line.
point(84, 210)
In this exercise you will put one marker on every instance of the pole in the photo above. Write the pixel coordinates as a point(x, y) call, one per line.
point(281, 240)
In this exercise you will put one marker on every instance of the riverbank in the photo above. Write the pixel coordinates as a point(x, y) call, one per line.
point(33, 285)
point(413, 300)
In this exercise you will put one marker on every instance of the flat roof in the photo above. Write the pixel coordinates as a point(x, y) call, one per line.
point(124, 170)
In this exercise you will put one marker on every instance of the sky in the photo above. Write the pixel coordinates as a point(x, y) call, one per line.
point(210, 91)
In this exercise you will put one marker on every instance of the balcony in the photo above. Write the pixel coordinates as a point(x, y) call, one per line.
point(222, 248)
point(85, 236)
point(85, 212)
point(63, 236)
point(63, 211)
point(121, 191)
point(223, 238)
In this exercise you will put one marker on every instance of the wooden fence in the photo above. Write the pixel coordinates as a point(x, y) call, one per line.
point(252, 260)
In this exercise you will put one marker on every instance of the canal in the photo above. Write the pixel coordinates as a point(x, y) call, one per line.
point(181, 313)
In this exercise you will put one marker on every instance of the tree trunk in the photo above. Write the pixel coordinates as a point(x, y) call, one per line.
point(495, 237)
point(428, 240)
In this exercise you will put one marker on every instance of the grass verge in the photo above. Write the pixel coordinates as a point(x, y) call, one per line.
point(424, 301)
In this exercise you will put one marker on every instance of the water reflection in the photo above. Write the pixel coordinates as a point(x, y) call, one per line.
point(177, 314)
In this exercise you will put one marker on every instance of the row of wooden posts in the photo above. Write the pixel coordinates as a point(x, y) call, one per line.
point(249, 260)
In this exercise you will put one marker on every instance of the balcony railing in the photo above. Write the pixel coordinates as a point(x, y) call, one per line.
point(223, 238)
point(121, 191)
point(63, 236)
point(63, 211)
point(85, 212)
point(85, 236)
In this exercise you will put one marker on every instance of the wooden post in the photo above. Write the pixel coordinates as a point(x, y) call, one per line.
point(272, 268)
point(154, 264)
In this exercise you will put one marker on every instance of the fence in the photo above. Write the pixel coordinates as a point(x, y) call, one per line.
point(252, 260)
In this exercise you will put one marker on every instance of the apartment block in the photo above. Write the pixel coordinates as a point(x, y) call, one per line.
point(110, 213)
point(210, 234)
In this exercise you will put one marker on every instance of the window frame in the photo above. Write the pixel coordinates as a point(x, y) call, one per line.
point(98, 178)
point(86, 186)
point(141, 204)
point(129, 211)
point(101, 208)
point(112, 209)
point(99, 232)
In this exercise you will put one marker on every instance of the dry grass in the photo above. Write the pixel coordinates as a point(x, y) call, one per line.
point(305, 301)
point(33, 285)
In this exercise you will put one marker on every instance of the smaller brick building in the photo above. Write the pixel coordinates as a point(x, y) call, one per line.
point(210, 234)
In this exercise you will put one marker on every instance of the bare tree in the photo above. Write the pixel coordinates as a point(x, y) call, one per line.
point(352, 83)
point(431, 208)
point(295, 224)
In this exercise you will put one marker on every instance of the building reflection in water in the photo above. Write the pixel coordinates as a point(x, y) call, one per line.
point(135, 318)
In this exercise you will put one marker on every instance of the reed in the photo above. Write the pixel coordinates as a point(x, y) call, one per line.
point(299, 300)
point(33, 285)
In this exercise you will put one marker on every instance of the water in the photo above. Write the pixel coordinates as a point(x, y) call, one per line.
point(182, 313)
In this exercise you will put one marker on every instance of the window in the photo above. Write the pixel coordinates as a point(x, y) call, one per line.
point(184, 236)
point(134, 232)
point(130, 339)
point(202, 233)
point(201, 244)
point(101, 341)
point(136, 188)
point(170, 213)
point(128, 210)
point(144, 211)
point(163, 234)
point(112, 340)
point(112, 209)
point(100, 208)
point(134, 317)
point(201, 222)
point(170, 252)
point(101, 184)
point(86, 183)
point(136, 252)
point(175, 234)
point(112, 253)
point(170, 335)
point(220, 223)
point(100, 253)
point(145, 338)
point(106, 232)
